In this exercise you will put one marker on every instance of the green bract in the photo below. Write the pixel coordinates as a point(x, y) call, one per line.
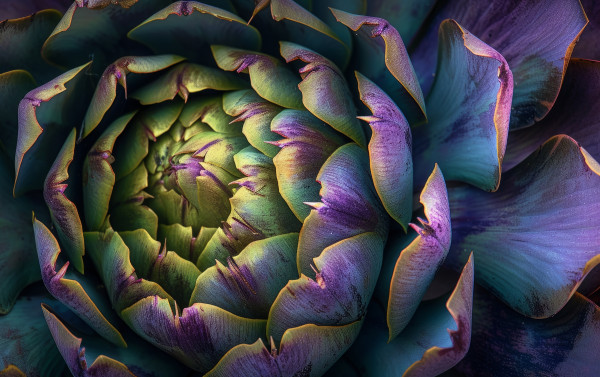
point(299, 188)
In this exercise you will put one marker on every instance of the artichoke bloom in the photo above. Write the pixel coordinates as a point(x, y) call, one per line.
point(297, 188)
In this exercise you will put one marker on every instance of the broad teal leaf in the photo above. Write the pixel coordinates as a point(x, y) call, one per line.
point(573, 114)
point(21, 41)
point(18, 260)
point(96, 30)
point(537, 53)
point(469, 110)
point(435, 340)
point(25, 341)
point(535, 239)
point(187, 28)
point(510, 344)
point(406, 16)
point(13, 87)
point(46, 114)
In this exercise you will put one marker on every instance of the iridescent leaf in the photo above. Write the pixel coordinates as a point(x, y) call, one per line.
point(270, 79)
point(469, 110)
point(187, 28)
point(347, 207)
point(536, 238)
point(535, 37)
point(45, 115)
point(106, 90)
point(249, 283)
point(199, 337)
point(390, 151)
point(587, 45)
point(325, 92)
point(384, 62)
point(22, 8)
point(69, 291)
point(308, 350)
point(328, 300)
point(506, 343)
point(572, 114)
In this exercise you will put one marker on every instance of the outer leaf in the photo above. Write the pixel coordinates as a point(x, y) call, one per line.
point(187, 28)
point(390, 151)
point(69, 291)
point(469, 109)
point(536, 52)
point(308, 350)
point(325, 92)
point(572, 114)
point(536, 238)
point(514, 345)
point(436, 339)
point(18, 260)
point(586, 46)
point(38, 131)
point(13, 86)
point(392, 59)
point(22, 8)
point(407, 16)
point(419, 261)
point(198, 338)
point(24, 337)
point(22, 38)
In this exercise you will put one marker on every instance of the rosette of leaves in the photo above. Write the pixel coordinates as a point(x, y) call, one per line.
point(281, 188)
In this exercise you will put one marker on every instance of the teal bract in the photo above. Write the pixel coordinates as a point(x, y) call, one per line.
point(299, 188)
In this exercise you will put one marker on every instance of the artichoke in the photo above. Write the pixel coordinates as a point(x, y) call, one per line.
point(299, 188)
